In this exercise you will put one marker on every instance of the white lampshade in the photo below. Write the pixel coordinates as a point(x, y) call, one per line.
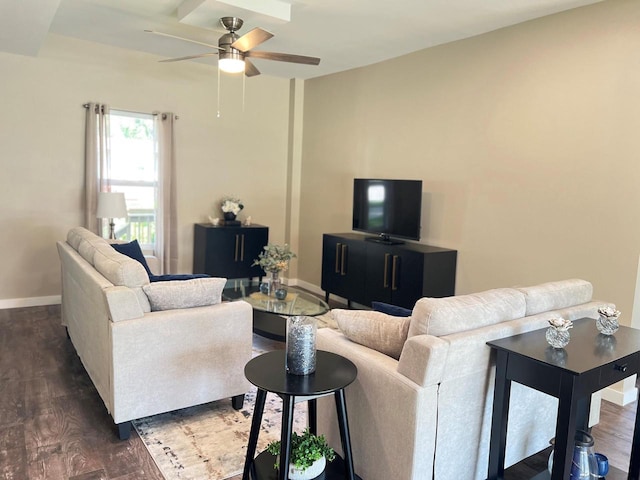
point(111, 205)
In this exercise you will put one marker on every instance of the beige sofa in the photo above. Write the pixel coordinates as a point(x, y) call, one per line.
point(427, 414)
point(150, 348)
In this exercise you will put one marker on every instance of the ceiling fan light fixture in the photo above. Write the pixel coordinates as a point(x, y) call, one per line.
point(231, 62)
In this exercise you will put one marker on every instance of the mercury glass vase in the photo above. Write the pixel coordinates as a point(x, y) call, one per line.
point(557, 338)
point(607, 325)
point(301, 345)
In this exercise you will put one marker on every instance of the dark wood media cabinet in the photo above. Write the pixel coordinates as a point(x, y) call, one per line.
point(228, 252)
point(364, 271)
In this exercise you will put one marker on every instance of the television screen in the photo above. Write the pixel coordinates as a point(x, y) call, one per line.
point(389, 208)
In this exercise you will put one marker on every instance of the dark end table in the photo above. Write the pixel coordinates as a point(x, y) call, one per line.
point(267, 372)
point(590, 362)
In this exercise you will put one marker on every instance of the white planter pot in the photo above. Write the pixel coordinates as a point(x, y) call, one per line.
point(313, 471)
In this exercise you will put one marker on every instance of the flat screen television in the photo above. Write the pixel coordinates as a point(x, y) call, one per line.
point(388, 208)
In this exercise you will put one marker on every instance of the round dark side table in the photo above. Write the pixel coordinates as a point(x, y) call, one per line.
point(267, 372)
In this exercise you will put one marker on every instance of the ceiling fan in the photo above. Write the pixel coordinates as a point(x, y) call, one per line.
point(234, 50)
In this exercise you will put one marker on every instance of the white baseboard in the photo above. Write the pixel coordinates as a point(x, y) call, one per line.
point(296, 282)
point(620, 397)
point(30, 302)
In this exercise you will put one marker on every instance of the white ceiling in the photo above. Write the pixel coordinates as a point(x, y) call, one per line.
point(344, 33)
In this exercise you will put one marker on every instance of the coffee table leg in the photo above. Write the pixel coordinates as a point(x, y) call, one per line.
point(285, 435)
point(343, 423)
point(255, 430)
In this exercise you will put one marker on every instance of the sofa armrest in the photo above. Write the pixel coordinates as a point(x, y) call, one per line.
point(391, 418)
point(122, 303)
point(423, 359)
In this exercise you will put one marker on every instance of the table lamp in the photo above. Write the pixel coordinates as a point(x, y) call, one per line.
point(111, 205)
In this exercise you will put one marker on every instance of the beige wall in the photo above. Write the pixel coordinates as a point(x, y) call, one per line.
point(526, 140)
point(42, 141)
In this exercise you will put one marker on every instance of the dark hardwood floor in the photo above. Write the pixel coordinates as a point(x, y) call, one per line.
point(53, 424)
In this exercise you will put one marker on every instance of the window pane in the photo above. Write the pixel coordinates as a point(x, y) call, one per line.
point(134, 172)
point(132, 149)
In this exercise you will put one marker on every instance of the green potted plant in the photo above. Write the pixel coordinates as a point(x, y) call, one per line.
point(309, 455)
point(273, 260)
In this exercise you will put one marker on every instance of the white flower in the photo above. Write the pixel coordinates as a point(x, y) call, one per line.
point(561, 324)
point(231, 205)
point(609, 312)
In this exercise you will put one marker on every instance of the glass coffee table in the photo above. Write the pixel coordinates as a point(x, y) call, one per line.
point(269, 313)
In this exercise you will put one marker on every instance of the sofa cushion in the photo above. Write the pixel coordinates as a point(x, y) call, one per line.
point(77, 234)
point(444, 316)
point(119, 269)
point(376, 330)
point(86, 250)
point(556, 295)
point(389, 309)
point(176, 294)
point(132, 250)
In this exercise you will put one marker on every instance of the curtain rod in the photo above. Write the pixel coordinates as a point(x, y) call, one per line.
point(164, 115)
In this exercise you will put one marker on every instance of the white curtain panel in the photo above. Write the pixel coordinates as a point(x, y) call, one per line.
point(167, 242)
point(96, 156)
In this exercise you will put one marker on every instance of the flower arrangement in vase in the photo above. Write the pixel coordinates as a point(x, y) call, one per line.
point(231, 207)
point(309, 455)
point(273, 260)
point(557, 334)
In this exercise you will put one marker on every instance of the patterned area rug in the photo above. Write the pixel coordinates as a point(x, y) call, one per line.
point(209, 442)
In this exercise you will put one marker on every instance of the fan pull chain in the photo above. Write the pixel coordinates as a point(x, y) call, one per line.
point(218, 99)
point(244, 80)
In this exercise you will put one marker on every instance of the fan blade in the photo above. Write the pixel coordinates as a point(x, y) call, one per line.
point(250, 69)
point(251, 39)
point(185, 39)
point(283, 57)
point(179, 59)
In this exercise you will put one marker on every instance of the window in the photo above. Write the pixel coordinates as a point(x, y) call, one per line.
point(133, 170)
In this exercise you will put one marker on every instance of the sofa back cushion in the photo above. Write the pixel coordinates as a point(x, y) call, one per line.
point(119, 269)
point(444, 316)
point(556, 295)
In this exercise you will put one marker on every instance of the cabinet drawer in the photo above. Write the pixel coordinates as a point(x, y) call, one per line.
point(619, 370)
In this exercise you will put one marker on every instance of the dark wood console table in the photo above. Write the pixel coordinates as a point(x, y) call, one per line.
point(590, 362)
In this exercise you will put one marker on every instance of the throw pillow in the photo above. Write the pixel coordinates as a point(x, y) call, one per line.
point(176, 294)
point(177, 276)
point(132, 250)
point(376, 330)
point(389, 309)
